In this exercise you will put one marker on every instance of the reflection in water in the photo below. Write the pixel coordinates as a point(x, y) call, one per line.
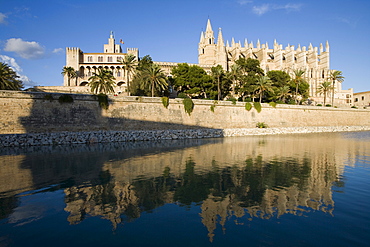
point(231, 178)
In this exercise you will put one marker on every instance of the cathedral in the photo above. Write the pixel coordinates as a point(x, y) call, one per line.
point(313, 60)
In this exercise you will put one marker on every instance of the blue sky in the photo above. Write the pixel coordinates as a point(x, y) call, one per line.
point(35, 33)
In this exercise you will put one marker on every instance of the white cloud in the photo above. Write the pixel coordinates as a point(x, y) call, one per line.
point(14, 65)
point(2, 18)
point(25, 49)
point(58, 50)
point(260, 10)
point(264, 8)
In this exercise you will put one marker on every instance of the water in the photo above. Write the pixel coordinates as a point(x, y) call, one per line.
point(289, 190)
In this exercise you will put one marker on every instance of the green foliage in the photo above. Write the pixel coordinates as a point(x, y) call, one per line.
point(165, 101)
point(65, 98)
point(319, 105)
point(233, 100)
point(291, 102)
point(188, 105)
point(194, 81)
point(182, 95)
point(70, 72)
point(273, 104)
point(248, 106)
point(328, 105)
point(102, 82)
point(355, 107)
point(103, 101)
point(48, 97)
point(9, 78)
point(261, 125)
point(213, 108)
point(257, 106)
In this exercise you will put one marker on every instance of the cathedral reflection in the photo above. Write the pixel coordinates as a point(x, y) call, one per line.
point(233, 180)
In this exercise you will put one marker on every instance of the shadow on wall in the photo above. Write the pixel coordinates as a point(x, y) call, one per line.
point(48, 114)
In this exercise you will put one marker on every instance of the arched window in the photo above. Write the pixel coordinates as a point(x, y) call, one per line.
point(110, 59)
point(100, 59)
point(89, 59)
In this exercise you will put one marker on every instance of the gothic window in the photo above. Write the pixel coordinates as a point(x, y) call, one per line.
point(110, 59)
point(89, 59)
point(100, 59)
point(210, 41)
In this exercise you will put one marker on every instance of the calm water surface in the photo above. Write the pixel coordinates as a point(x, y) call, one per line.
point(289, 190)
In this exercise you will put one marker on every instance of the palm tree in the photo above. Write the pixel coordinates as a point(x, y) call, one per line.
point(102, 82)
point(70, 72)
point(298, 79)
point(129, 64)
point(324, 88)
point(153, 78)
point(233, 75)
point(9, 78)
point(217, 73)
point(335, 75)
point(283, 92)
point(263, 84)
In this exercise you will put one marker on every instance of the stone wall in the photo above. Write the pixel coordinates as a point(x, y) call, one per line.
point(34, 112)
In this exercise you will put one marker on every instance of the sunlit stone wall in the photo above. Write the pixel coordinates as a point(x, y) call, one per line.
point(30, 112)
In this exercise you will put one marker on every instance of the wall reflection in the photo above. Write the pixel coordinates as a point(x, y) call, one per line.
point(231, 179)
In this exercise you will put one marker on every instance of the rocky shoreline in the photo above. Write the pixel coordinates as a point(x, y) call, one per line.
point(62, 138)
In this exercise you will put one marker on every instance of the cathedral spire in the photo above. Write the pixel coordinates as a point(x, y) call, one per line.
point(201, 37)
point(209, 36)
point(209, 27)
point(327, 46)
point(220, 39)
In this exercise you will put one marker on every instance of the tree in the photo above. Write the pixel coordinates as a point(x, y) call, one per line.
point(70, 73)
point(324, 88)
point(297, 80)
point(9, 78)
point(192, 80)
point(153, 78)
point(128, 64)
point(280, 81)
point(335, 75)
point(283, 92)
point(102, 82)
point(263, 84)
point(250, 70)
point(234, 75)
point(217, 73)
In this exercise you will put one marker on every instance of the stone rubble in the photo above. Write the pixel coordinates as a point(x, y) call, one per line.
point(62, 138)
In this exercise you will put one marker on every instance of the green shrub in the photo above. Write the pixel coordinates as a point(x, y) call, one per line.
point(213, 108)
point(273, 104)
point(188, 105)
point(291, 102)
point(247, 100)
point(65, 98)
point(182, 95)
point(49, 97)
point(257, 106)
point(328, 105)
point(355, 107)
point(165, 102)
point(319, 105)
point(103, 101)
point(261, 125)
point(248, 106)
point(280, 102)
point(233, 100)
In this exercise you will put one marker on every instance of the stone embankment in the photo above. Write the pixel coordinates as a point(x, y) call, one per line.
point(61, 138)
